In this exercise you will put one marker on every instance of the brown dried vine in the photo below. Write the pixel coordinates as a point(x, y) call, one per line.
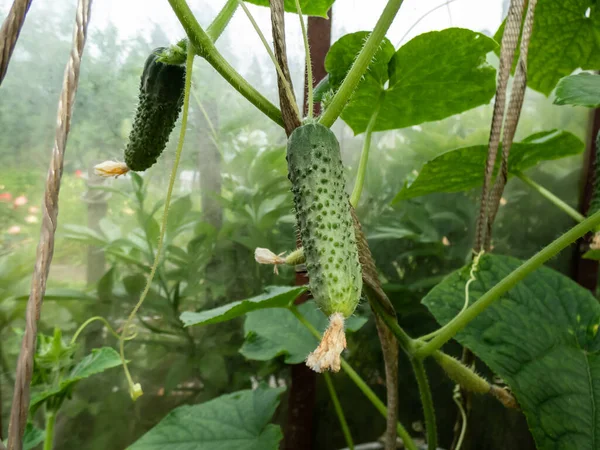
point(389, 344)
point(505, 124)
point(20, 405)
point(9, 34)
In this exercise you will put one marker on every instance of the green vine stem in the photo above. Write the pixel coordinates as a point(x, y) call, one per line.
point(309, 74)
point(449, 330)
point(49, 438)
point(551, 197)
point(106, 324)
point(135, 390)
point(339, 411)
point(361, 63)
point(364, 157)
point(427, 402)
point(205, 48)
point(360, 383)
point(216, 28)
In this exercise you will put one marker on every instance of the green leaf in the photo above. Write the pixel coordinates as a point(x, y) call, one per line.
point(343, 52)
point(566, 36)
point(106, 284)
point(542, 339)
point(274, 332)
point(233, 421)
point(592, 254)
point(274, 297)
point(463, 168)
point(582, 89)
point(309, 7)
point(33, 437)
point(433, 76)
point(98, 361)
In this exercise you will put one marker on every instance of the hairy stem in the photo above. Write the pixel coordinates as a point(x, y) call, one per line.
point(339, 411)
point(448, 331)
point(50, 421)
point(427, 402)
point(360, 383)
point(163, 228)
point(361, 63)
point(364, 158)
point(578, 217)
point(205, 48)
point(218, 25)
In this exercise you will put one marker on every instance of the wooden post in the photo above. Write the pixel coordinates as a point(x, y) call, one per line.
point(585, 271)
point(301, 399)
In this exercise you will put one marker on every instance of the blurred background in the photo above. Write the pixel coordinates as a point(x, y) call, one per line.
point(232, 196)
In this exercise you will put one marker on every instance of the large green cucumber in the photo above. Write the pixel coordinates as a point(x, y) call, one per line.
point(160, 101)
point(324, 219)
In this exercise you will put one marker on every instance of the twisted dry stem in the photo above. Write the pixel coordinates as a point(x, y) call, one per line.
point(389, 344)
point(9, 33)
point(510, 39)
point(512, 119)
point(20, 405)
point(289, 109)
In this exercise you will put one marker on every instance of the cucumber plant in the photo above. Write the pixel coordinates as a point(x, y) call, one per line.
point(371, 89)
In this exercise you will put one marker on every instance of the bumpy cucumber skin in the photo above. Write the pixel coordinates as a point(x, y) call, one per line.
point(160, 102)
point(324, 219)
point(595, 201)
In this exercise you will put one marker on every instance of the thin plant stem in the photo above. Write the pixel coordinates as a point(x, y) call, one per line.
point(286, 85)
point(360, 383)
point(213, 131)
point(339, 411)
point(106, 324)
point(463, 416)
point(186, 105)
point(361, 64)
point(423, 17)
point(218, 25)
point(364, 157)
point(205, 48)
point(427, 402)
point(576, 215)
point(309, 74)
point(474, 267)
point(49, 438)
point(449, 330)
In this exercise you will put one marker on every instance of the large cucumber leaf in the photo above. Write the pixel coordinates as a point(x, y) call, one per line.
point(308, 7)
point(233, 421)
point(274, 332)
point(582, 89)
point(463, 168)
point(565, 37)
point(542, 338)
point(433, 76)
point(274, 297)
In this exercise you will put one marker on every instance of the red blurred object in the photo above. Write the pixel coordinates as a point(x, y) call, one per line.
point(78, 173)
point(5, 197)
